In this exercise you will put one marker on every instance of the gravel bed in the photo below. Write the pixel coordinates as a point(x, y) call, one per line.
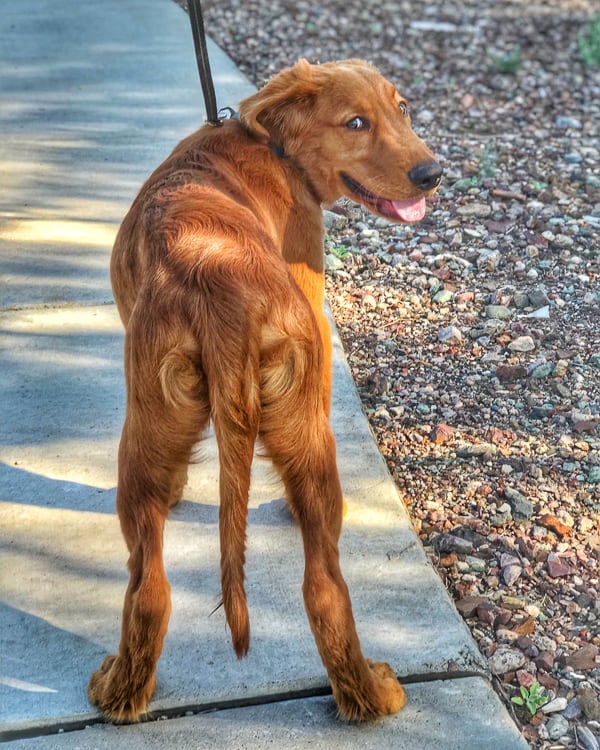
point(474, 337)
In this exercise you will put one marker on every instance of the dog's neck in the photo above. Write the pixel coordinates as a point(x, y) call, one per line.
point(298, 169)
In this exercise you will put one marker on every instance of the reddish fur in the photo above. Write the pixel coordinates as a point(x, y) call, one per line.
point(217, 272)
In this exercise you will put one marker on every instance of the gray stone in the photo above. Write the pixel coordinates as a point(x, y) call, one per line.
point(498, 312)
point(522, 344)
point(538, 297)
point(553, 706)
point(556, 727)
point(451, 333)
point(564, 122)
point(587, 739)
point(474, 210)
point(443, 296)
point(521, 300)
point(506, 659)
point(333, 263)
point(543, 370)
point(520, 506)
point(594, 475)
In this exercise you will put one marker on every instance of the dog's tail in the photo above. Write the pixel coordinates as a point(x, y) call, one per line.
point(232, 529)
point(235, 412)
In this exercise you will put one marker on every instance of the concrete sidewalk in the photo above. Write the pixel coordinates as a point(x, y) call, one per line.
point(92, 97)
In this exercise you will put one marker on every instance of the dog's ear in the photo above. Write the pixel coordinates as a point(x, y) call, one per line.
point(286, 99)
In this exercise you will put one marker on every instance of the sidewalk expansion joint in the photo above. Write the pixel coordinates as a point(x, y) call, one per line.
point(76, 724)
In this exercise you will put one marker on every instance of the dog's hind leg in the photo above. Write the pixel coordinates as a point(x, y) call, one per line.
point(157, 439)
point(296, 434)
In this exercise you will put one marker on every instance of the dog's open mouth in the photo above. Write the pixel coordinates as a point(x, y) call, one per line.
point(408, 210)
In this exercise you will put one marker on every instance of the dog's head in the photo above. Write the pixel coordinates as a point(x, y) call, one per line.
point(350, 130)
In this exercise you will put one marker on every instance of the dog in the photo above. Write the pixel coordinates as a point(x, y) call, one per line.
point(217, 273)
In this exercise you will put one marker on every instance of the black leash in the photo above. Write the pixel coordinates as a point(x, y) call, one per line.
point(208, 89)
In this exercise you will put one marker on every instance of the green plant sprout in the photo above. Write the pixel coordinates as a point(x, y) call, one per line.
point(340, 251)
point(508, 64)
point(532, 699)
point(589, 45)
point(488, 163)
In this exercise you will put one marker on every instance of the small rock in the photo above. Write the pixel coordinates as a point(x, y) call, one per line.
point(557, 726)
point(506, 659)
point(467, 606)
point(525, 678)
point(441, 433)
point(505, 634)
point(489, 260)
point(478, 449)
point(538, 297)
point(333, 263)
point(476, 564)
point(332, 220)
point(547, 681)
point(498, 312)
point(464, 297)
point(451, 333)
point(584, 658)
point(522, 344)
point(542, 412)
point(511, 573)
point(587, 739)
point(487, 613)
point(594, 475)
point(446, 543)
point(573, 710)
point(557, 568)
point(553, 523)
point(514, 603)
point(521, 300)
point(543, 370)
point(442, 297)
point(585, 425)
point(545, 660)
point(520, 506)
point(552, 707)
point(588, 700)
point(510, 373)
point(564, 122)
point(478, 210)
point(526, 645)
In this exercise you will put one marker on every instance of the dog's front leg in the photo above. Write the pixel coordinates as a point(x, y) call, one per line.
point(362, 690)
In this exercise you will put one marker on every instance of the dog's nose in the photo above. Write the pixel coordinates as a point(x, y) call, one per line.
point(426, 175)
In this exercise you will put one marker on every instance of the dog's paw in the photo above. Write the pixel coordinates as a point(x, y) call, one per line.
point(381, 695)
point(117, 693)
point(393, 696)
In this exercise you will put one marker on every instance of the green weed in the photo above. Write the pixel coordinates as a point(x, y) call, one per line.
point(508, 64)
point(532, 699)
point(589, 45)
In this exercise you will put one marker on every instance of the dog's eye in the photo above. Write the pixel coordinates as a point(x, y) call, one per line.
point(403, 107)
point(358, 123)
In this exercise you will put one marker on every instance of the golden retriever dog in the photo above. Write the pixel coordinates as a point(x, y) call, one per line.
point(217, 272)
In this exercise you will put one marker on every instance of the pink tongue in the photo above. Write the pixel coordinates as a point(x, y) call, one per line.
point(412, 210)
